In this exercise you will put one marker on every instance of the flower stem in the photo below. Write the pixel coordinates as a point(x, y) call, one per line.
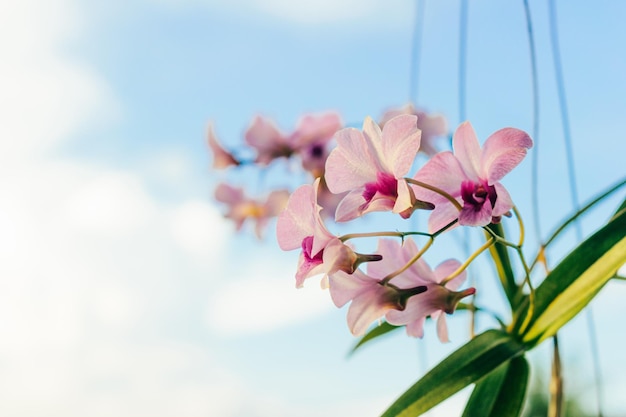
point(348, 236)
point(531, 295)
point(414, 259)
point(469, 260)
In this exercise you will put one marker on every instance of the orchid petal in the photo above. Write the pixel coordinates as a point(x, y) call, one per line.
point(441, 216)
point(224, 193)
point(442, 328)
point(297, 221)
point(350, 206)
point(467, 150)
point(404, 200)
point(442, 171)
point(400, 142)
point(504, 203)
point(445, 269)
point(502, 152)
point(469, 216)
point(350, 164)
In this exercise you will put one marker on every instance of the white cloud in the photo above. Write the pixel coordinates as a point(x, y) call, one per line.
point(199, 228)
point(113, 203)
point(45, 95)
point(266, 302)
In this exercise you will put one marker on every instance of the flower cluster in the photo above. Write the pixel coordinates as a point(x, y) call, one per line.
point(371, 167)
point(309, 143)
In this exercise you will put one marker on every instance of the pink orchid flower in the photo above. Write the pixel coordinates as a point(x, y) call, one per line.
point(406, 299)
point(309, 140)
point(472, 176)
point(300, 226)
point(242, 208)
point(370, 300)
point(371, 166)
point(311, 137)
point(433, 126)
point(434, 302)
point(221, 157)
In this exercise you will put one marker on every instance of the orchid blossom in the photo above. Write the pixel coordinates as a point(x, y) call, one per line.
point(433, 126)
point(436, 300)
point(472, 175)
point(407, 299)
point(371, 166)
point(300, 226)
point(241, 208)
point(309, 140)
point(221, 157)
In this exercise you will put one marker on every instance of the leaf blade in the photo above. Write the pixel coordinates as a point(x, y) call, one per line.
point(466, 365)
point(576, 280)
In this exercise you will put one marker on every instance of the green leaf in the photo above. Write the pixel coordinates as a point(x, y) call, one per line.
point(466, 365)
point(576, 281)
point(377, 331)
point(501, 392)
point(500, 255)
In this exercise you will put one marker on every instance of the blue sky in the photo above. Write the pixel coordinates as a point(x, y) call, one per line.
point(124, 292)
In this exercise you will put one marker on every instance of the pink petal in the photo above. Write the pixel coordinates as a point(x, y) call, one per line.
point(368, 307)
point(445, 269)
point(224, 193)
point(373, 140)
point(442, 328)
point(442, 171)
point(442, 215)
point(349, 207)
point(400, 144)
point(344, 287)
point(306, 270)
point(403, 201)
point(221, 157)
point(416, 328)
point(503, 201)
point(379, 203)
point(263, 135)
point(276, 202)
point(502, 152)
point(297, 221)
point(470, 217)
point(350, 165)
point(467, 150)
point(318, 128)
point(392, 258)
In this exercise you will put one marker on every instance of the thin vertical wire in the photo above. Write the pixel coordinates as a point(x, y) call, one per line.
point(462, 58)
point(534, 186)
point(416, 52)
point(591, 328)
point(462, 116)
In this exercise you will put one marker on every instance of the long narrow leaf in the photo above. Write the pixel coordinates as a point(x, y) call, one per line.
point(466, 365)
point(377, 331)
point(576, 280)
point(500, 256)
point(500, 393)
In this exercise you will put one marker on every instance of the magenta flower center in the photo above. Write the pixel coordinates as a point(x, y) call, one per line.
point(307, 247)
point(475, 194)
point(386, 184)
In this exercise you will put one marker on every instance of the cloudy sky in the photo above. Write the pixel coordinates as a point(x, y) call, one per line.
point(123, 292)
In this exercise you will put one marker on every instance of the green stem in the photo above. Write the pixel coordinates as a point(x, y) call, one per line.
point(414, 259)
point(468, 261)
point(348, 236)
point(531, 295)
